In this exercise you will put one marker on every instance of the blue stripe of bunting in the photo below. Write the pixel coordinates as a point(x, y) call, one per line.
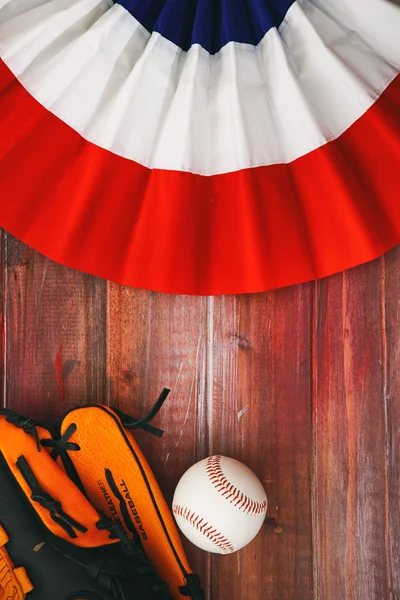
point(210, 23)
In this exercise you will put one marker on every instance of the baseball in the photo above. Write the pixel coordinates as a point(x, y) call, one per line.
point(219, 504)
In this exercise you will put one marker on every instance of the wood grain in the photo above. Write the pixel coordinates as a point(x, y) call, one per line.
point(349, 431)
point(302, 384)
point(262, 416)
point(391, 399)
point(55, 324)
point(156, 341)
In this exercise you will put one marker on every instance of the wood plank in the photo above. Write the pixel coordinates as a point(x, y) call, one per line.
point(349, 422)
point(262, 416)
point(55, 323)
point(156, 341)
point(391, 394)
point(239, 369)
point(2, 317)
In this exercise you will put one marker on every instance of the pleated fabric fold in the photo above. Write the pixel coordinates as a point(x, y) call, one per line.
point(227, 151)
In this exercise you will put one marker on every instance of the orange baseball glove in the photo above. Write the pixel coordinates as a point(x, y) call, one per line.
point(99, 452)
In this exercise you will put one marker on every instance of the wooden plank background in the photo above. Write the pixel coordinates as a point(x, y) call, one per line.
point(302, 384)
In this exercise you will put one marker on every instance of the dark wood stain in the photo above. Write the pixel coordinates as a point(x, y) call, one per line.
point(301, 384)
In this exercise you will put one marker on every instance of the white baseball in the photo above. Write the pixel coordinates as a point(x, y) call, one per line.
point(219, 504)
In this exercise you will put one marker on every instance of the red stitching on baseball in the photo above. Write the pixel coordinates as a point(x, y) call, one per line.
point(205, 528)
point(228, 490)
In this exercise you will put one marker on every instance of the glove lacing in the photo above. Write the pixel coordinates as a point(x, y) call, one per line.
point(28, 425)
point(144, 567)
point(192, 589)
point(144, 423)
point(46, 501)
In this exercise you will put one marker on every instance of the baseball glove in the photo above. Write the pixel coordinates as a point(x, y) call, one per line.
point(101, 455)
point(53, 544)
